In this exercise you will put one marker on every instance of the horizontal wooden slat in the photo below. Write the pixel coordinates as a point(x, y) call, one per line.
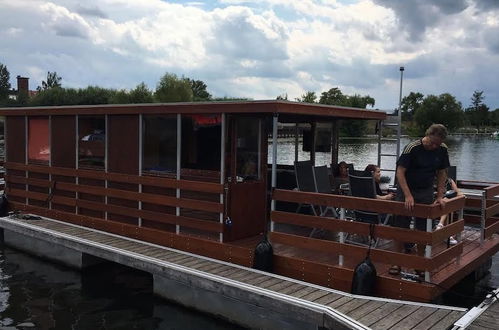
point(205, 225)
point(367, 204)
point(30, 181)
point(222, 251)
point(352, 227)
point(124, 178)
point(446, 255)
point(492, 210)
point(491, 230)
point(349, 250)
point(492, 191)
point(448, 230)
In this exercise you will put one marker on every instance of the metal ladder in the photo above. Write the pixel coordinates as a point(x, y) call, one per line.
point(392, 122)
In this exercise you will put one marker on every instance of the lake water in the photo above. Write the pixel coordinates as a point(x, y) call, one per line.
point(41, 295)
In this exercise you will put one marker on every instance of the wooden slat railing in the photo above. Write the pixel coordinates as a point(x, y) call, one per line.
point(53, 189)
point(428, 263)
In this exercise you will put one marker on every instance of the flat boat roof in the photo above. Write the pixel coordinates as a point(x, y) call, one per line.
point(245, 107)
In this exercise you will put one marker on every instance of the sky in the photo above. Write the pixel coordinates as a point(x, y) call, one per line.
point(262, 48)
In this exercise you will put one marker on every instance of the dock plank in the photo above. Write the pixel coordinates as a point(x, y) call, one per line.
point(379, 313)
point(352, 305)
point(315, 295)
point(327, 299)
point(432, 319)
point(339, 302)
point(415, 318)
point(447, 321)
point(365, 309)
point(269, 282)
point(305, 291)
point(394, 317)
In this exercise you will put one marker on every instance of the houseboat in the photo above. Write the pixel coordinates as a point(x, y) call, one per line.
point(204, 178)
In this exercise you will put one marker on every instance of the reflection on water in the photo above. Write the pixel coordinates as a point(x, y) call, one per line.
point(475, 157)
point(41, 295)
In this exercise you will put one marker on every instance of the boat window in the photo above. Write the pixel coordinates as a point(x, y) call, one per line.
point(38, 140)
point(201, 141)
point(159, 144)
point(91, 141)
point(248, 148)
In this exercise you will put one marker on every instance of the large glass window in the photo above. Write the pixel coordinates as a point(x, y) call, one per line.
point(159, 144)
point(248, 151)
point(91, 141)
point(201, 141)
point(38, 140)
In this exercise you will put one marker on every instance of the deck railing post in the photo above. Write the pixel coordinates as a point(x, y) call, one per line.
point(482, 217)
point(179, 155)
point(77, 163)
point(342, 237)
point(141, 160)
point(222, 172)
point(26, 153)
point(429, 226)
point(458, 235)
point(274, 164)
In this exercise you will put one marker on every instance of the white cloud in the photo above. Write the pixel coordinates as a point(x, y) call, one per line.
point(259, 49)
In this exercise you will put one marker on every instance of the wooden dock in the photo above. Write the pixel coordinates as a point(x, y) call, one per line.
point(239, 294)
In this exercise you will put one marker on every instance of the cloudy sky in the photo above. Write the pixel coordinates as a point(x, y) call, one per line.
point(261, 48)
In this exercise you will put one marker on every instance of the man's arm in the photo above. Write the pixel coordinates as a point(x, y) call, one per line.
point(402, 182)
point(441, 177)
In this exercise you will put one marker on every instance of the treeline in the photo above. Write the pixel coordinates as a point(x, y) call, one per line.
point(418, 111)
point(170, 88)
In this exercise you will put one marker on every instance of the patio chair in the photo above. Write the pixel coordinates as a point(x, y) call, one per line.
point(305, 181)
point(364, 186)
point(323, 186)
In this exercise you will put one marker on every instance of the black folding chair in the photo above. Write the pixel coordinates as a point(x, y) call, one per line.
point(305, 181)
point(323, 186)
point(364, 186)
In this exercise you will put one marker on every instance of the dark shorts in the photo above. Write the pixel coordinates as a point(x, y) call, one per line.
point(421, 196)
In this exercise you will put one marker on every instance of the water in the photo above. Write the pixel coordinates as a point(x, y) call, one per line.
point(41, 295)
point(35, 294)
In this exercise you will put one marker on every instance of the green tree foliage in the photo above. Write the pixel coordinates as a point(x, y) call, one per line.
point(4, 84)
point(173, 89)
point(494, 117)
point(53, 81)
point(308, 97)
point(141, 94)
point(282, 97)
point(410, 104)
point(443, 109)
point(478, 113)
point(334, 96)
point(348, 127)
point(199, 90)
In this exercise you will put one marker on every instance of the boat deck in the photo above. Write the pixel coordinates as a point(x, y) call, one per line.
point(282, 296)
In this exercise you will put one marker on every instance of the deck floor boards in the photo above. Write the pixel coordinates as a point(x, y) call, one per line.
point(378, 313)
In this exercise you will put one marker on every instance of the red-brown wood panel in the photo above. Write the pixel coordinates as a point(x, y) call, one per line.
point(56, 191)
point(38, 189)
point(63, 143)
point(123, 202)
point(91, 197)
point(16, 139)
point(123, 144)
point(158, 208)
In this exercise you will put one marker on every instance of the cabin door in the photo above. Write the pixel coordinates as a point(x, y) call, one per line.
point(247, 177)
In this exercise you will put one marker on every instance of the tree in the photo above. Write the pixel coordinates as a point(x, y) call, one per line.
point(141, 94)
point(308, 97)
point(282, 97)
point(410, 105)
point(443, 109)
point(53, 81)
point(334, 96)
point(494, 117)
point(4, 83)
point(173, 89)
point(199, 91)
point(478, 113)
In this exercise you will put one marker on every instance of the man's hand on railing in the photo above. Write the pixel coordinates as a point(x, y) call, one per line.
point(409, 202)
point(440, 201)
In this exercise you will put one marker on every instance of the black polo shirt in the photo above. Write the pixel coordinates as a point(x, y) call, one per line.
point(422, 165)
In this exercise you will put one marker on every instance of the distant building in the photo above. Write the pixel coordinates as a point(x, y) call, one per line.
point(22, 87)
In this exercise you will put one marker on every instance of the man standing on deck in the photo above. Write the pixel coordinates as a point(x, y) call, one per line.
point(421, 162)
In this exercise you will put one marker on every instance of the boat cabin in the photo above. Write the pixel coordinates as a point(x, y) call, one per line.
point(205, 178)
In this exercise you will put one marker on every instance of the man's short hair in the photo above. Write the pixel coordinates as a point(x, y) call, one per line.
point(438, 130)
